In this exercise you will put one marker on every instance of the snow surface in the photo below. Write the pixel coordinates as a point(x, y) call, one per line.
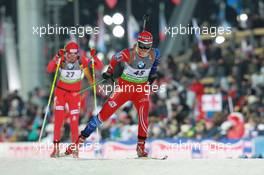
point(65, 166)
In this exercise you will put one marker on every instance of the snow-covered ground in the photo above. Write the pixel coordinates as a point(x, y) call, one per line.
point(65, 166)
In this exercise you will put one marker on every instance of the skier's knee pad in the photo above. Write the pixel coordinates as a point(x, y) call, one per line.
point(91, 126)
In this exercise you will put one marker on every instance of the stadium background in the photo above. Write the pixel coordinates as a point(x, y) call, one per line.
point(233, 68)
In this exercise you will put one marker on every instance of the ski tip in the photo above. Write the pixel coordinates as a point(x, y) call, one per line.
point(165, 157)
point(153, 158)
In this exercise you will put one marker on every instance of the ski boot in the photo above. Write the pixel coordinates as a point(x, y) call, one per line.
point(141, 149)
point(56, 150)
point(74, 148)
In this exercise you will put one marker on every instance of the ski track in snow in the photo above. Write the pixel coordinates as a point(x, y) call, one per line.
point(65, 166)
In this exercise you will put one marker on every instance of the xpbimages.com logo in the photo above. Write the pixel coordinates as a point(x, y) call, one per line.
point(48, 147)
point(80, 31)
point(173, 31)
point(139, 88)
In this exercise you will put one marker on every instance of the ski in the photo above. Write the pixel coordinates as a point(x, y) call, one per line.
point(64, 155)
point(153, 158)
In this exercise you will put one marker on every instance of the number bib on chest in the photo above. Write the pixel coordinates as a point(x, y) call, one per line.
point(135, 75)
point(71, 76)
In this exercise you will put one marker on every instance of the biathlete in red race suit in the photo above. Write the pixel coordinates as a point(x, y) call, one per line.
point(138, 67)
point(71, 72)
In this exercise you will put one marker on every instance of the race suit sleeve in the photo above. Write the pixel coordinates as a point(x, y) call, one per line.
point(156, 62)
point(52, 65)
point(98, 64)
point(122, 56)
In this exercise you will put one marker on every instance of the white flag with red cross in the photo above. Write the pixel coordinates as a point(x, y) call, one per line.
point(212, 102)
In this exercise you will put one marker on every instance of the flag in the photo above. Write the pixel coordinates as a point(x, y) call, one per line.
point(133, 29)
point(212, 102)
point(162, 23)
point(222, 16)
point(111, 3)
point(200, 43)
point(176, 2)
point(236, 4)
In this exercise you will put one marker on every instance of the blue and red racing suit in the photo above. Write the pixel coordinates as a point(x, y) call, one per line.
point(133, 85)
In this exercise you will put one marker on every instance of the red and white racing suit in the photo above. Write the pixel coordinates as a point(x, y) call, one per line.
point(70, 79)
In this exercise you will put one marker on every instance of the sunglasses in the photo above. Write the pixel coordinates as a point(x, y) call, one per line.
point(144, 46)
point(72, 53)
